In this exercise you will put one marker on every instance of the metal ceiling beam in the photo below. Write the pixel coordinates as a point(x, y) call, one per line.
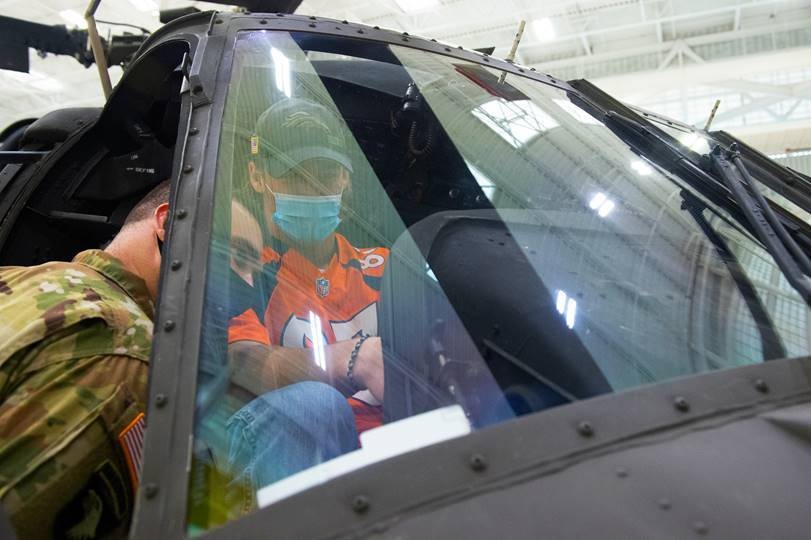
point(664, 48)
point(507, 20)
point(670, 56)
point(752, 106)
point(586, 45)
point(700, 74)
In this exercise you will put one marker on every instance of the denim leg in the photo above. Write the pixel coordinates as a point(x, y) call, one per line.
point(288, 430)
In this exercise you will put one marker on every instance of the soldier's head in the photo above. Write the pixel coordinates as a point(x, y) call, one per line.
point(301, 166)
point(139, 243)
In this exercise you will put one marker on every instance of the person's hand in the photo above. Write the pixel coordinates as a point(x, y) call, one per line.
point(368, 369)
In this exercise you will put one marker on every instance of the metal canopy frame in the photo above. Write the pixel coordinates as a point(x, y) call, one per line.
point(363, 502)
point(162, 499)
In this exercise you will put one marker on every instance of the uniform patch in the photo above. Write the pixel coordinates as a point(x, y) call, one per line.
point(131, 439)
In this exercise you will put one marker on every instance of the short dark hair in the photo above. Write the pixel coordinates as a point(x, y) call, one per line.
point(146, 206)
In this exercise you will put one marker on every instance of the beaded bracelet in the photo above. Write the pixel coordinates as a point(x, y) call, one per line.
point(353, 357)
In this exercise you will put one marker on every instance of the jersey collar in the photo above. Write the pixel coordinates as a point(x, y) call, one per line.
point(111, 268)
point(346, 251)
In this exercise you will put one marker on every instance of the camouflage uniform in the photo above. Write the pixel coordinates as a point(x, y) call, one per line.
point(74, 351)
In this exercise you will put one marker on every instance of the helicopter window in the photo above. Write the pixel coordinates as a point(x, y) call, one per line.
point(516, 121)
point(406, 249)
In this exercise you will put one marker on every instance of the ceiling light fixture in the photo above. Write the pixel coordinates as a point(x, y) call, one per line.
point(543, 29)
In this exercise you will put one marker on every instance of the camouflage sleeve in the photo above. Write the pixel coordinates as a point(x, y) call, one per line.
point(63, 470)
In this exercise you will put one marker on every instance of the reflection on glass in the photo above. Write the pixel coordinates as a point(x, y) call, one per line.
point(560, 302)
point(543, 29)
point(567, 307)
point(641, 168)
point(571, 312)
point(576, 112)
point(282, 69)
point(487, 185)
point(695, 142)
point(318, 341)
point(403, 252)
point(516, 121)
point(602, 204)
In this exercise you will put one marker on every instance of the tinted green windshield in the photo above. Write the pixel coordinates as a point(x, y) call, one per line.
point(406, 249)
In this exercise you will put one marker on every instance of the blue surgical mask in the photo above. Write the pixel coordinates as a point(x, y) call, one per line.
point(308, 219)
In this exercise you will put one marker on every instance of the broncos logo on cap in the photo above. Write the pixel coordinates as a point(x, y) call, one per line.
point(307, 120)
point(303, 119)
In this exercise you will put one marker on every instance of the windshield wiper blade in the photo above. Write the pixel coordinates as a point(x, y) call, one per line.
point(647, 142)
point(773, 347)
point(767, 227)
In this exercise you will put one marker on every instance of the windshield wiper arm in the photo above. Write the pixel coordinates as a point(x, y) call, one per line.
point(765, 224)
point(773, 347)
point(799, 255)
point(789, 256)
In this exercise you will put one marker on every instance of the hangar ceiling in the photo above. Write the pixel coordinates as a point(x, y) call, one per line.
point(673, 57)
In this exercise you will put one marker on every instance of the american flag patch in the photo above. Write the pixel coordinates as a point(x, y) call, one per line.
point(131, 439)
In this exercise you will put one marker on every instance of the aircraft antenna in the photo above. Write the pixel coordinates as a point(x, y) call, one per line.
point(514, 49)
point(712, 114)
point(97, 48)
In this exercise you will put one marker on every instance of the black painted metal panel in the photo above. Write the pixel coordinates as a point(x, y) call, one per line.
point(743, 478)
point(444, 491)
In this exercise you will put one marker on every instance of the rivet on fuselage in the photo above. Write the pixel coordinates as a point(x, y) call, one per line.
point(585, 429)
point(478, 462)
point(360, 504)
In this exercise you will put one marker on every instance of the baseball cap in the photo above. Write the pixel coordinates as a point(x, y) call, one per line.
point(295, 130)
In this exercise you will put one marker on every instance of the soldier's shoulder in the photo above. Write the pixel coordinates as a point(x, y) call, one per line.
point(49, 297)
point(53, 282)
point(32, 283)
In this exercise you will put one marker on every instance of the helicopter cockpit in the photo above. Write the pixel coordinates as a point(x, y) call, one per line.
point(472, 231)
point(531, 260)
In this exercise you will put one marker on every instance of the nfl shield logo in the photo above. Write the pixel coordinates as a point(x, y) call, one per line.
point(322, 286)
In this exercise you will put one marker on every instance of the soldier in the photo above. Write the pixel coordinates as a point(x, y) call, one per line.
point(75, 339)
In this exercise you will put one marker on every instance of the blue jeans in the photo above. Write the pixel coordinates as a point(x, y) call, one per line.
point(286, 431)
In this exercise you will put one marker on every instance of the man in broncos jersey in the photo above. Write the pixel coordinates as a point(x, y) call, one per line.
point(320, 319)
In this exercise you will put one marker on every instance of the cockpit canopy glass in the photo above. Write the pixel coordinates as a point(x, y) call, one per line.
point(407, 247)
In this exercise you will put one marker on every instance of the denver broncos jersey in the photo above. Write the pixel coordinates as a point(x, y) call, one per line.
point(306, 303)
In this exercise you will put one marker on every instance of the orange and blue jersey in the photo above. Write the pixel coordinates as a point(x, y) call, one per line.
point(341, 300)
